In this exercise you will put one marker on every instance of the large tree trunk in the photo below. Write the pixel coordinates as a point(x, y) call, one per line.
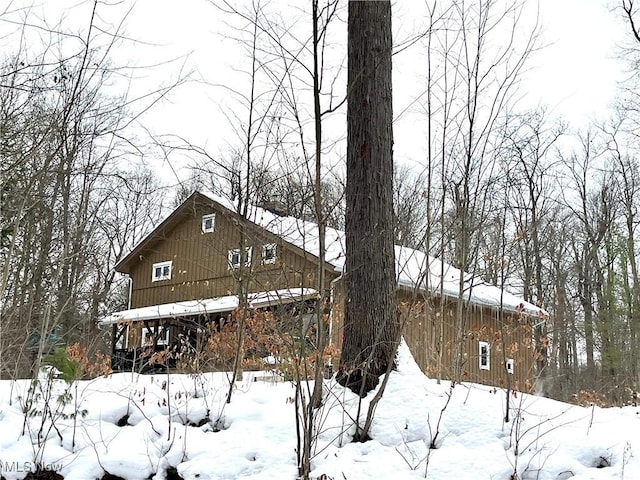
point(371, 329)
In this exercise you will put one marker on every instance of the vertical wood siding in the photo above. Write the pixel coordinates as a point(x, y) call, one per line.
point(508, 335)
point(200, 270)
point(424, 325)
point(200, 266)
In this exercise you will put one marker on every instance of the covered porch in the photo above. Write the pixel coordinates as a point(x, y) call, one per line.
point(150, 339)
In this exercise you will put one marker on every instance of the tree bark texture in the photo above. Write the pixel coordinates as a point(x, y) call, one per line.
point(371, 329)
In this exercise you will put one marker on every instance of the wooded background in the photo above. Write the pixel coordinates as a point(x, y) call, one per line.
point(519, 198)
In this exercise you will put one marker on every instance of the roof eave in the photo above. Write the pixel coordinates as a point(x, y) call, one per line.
point(542, 314)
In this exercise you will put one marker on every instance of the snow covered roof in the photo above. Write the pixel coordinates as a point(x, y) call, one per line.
point(209, 305)
point(414, 269)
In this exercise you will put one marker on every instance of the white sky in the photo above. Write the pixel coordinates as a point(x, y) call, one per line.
point(575, 75)
point(578, 71)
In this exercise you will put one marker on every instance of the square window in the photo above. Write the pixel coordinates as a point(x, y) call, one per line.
point(161, 271)
point(147, 337)
point(509, 365)
point(233, 257)
point(208, 223)
point(485, 355)
point(269, 253)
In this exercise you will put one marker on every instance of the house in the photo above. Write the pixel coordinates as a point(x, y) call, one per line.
point(185, 274)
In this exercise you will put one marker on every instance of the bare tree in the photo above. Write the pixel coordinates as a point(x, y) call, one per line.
point(62, 136)
point(478, 52)
point(283, 152)
point(630, 12)
point(529, 148)
point(410, 203)
point(603, 262)
point(627, 170)
point(628, 101)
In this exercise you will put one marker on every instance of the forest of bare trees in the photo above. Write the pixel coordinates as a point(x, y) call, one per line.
point(520, 198)
point(73, 199)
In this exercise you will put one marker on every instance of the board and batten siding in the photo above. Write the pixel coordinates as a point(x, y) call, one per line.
point(200, 267)
point(430, 330)
point(427, 324)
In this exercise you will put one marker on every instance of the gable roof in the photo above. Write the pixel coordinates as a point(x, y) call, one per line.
point(414, 269)
point(157, 234)
point(261, 218)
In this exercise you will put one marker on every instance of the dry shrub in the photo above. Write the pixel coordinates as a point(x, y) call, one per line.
point(91, 366)
point(616, 396)
point(586, 398)
point(260, 339)
point(302, 367)
point(263, 335)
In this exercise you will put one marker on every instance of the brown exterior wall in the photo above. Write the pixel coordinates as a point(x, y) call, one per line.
point(200, 266)
point(428, 324)
point(200, 270)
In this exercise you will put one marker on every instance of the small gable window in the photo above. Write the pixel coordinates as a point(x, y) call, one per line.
point(485, 356)
point(269, 253)
point(233, 257)
point(161, 271)
point(208, 223)
point(509, 365)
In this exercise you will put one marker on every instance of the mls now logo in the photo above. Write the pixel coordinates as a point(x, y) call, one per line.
point(7, 466)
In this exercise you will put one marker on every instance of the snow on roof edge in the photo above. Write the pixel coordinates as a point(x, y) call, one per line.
point(411, 264)
point(208, 305)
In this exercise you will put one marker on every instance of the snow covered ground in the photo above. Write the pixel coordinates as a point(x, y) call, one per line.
point(143, 426)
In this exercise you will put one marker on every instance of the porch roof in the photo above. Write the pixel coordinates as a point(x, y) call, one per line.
point(209, 305)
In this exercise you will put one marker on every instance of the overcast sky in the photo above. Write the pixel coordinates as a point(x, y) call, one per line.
point(575, 74)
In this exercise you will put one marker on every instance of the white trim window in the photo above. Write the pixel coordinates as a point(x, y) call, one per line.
point(510, 365)
point(269, 253)
point(161, 271)
point(233, 257)
point(147, 337)
point(123, 339)
point(208, 223)
point(484, 360)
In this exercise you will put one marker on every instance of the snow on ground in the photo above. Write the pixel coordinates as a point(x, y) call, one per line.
point(137, 426)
